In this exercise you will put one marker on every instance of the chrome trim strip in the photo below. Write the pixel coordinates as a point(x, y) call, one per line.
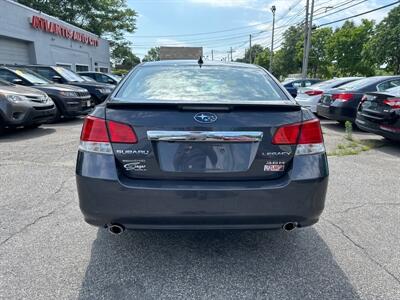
point(205, 136)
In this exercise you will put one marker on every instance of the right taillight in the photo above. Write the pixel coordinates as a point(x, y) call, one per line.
point(307, 135)
point(98, 134)
point(314, 92)
point(392, 102)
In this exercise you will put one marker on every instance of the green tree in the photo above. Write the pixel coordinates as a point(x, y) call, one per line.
point(384, 47)
point(346, 46)
point(263, 58)
point(255, 50)
point(152, 55)
point(319, 60)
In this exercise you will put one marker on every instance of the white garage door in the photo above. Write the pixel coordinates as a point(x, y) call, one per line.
point(13, 51)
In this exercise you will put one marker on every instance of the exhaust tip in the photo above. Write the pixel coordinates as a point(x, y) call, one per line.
point(116, 229)
point(289, 226)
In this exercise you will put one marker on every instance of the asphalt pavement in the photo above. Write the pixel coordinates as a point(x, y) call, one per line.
point(47, 251)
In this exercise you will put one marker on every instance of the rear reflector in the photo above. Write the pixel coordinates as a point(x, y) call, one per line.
point(307, 135)
point(392, 102)
point(97, 135)
point(342, 97)
point(314, 92)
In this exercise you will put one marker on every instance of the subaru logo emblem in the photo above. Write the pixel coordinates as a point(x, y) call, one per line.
point(205, 117)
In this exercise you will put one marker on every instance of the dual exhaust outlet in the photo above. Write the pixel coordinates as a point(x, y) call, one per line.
point(118, 229)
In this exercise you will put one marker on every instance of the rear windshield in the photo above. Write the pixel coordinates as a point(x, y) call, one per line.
point(331, 83)
point(358, 84)
point(394, 91)
point(191, 83)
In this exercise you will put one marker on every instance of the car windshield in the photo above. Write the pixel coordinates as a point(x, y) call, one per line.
point(4, 83)
point(69, 75)
point(395, 91)
point(116, 78)
point(191, 83)
point(31, 76)
point(358, 84)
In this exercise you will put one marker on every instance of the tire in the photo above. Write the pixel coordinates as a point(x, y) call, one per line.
point(57, 118)
point(33, 126)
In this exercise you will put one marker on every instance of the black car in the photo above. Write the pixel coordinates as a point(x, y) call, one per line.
point(341, 104)
point(70, 100)
point(379, 113)
point(102, 77)
point(98, 91)
point(292, 85)
point(24, 106)
point(223, 146)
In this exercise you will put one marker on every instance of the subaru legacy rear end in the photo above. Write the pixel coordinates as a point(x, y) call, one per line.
point(180, 145)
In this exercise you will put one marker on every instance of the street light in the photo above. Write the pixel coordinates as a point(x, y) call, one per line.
point(273, 9)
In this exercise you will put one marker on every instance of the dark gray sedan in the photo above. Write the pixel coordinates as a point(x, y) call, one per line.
point(182, 145)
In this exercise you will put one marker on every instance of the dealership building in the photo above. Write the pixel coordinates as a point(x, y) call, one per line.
point(28, 36)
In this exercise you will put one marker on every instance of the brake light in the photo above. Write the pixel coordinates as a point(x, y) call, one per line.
point(307, 135)
point(392, 102)
point(94, 130)
point(97, 135)
point(314, 92)
point(342, 97)
point(121, 133)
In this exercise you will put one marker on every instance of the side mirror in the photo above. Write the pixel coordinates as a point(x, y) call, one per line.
point(17, 81)
point(57, 79)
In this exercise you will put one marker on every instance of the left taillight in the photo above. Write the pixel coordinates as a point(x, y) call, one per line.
point(307, 135)
point(343, 97)
point(98, 134)
point(314, 92)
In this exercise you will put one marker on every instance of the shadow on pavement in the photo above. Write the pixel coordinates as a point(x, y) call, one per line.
point(20, 134)
point(214, 265)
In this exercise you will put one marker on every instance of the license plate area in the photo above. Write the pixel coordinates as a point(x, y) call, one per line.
point(205, 157)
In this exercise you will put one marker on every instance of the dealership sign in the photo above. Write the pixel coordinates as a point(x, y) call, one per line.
point(43, 24)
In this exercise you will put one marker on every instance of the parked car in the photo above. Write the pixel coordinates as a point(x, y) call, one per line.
point(23, 106)
point(70, 100)
point(182, 147)
point(98, 91)
point(379, 113)
point(102, 77)
point(309, 96)
point(341, 104)
point(292, 85)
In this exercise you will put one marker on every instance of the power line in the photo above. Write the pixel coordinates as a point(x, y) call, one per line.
point(360, 14)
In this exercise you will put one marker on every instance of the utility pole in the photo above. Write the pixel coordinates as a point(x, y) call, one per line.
point(303, 69)
point(307, 50)
point(250, 60)
point(273, 9)
point(231, 54)
point(212, 54)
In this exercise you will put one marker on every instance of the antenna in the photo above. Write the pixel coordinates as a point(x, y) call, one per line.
point(200, 61)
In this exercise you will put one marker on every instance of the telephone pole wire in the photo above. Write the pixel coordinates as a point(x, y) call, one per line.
point(273, 9)
point(303, 74)
point(307, 50)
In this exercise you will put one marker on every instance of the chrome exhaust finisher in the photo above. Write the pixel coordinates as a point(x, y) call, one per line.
point(206, 136)
point(289, 226)
point(116, 229)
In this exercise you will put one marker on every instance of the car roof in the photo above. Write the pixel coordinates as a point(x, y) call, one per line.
point(195, 63)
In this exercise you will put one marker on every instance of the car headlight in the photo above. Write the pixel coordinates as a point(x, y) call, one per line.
point(68, 94)
point(104, 91)
point(16, 98)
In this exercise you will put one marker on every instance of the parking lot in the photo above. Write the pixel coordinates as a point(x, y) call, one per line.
point(47, 251)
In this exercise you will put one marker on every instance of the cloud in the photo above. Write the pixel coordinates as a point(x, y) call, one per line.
point(169, 42)
point(226, 3)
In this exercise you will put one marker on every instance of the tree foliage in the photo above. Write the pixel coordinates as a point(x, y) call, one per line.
point(152, 55)
point(384, 47)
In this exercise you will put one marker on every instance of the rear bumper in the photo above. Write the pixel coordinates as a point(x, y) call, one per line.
point(337, 112)
point(373, 127)
point(159, 204)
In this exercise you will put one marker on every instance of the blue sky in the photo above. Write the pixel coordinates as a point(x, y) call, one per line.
point(160, 22)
